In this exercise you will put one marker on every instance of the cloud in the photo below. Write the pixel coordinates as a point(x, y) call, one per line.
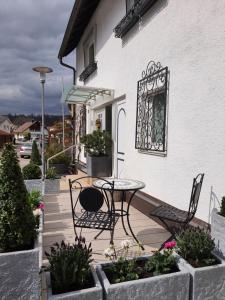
point(31, 33)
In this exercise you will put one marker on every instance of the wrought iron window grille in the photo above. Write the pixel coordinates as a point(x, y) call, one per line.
point(132, 16)
point(88, 71)
point(151, 109)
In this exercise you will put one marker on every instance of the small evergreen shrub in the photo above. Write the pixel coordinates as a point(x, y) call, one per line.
point(222, 207)
point(31, 171)
point(97, 143)
point(35, 155)
point(70, 266)
point(51, 173)
point(196, 246)
point(17, 222)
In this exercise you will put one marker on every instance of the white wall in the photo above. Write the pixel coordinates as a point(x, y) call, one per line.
point(189, 38)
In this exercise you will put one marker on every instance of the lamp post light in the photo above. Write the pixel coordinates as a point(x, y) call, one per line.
point(42, 71)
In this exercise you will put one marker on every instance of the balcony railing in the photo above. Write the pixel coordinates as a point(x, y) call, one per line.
point(88, 71)
point(132, 17)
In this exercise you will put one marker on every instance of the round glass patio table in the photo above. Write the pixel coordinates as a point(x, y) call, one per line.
point(123, 186)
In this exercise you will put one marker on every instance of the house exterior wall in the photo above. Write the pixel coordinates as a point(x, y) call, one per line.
point(6, 126)
point(189, 38)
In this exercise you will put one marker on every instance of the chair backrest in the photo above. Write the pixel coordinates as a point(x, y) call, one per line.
point(90, 198)
point(195, 194)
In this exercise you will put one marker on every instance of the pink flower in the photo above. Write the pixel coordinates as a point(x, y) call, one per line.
point(170, 245)
point(41, 205)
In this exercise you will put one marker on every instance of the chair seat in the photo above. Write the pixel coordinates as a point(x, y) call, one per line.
point(97, 220)
point(170, 213)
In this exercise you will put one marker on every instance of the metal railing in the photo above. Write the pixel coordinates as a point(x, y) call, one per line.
point(78, 147)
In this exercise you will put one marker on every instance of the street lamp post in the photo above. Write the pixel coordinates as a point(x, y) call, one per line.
point(42, 71)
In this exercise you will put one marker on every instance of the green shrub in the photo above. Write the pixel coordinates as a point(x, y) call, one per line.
point(34, 198)
point(31, 171)
point(17, 222)
point(35, 155)
point(196, 246)
point(53, 149)
point(161, 263)
point(51, 173)
point(70, 266)
point(222, 207)
point(97, 143)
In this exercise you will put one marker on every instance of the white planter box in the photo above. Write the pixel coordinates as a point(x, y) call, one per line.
point(218, 232)
point(85, 294)
point(207, 282)
point(33, 184)
point(52, 186)
point(171, 286)
point(19, 272)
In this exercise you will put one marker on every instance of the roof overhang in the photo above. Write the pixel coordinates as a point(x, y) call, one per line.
point(83, 94)
point(78, 21)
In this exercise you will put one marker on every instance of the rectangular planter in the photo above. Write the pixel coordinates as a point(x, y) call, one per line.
point(99, 166)
point(218, 232)
point(33, 184)
point(206, 282)
point(172, 286)
point(19, 271)
point(52, 186)
point(85, 294)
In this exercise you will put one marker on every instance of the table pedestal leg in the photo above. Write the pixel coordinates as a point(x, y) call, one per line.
point(122, 211)
point(128, 220)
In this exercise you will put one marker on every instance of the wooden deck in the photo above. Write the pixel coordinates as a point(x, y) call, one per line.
point(58, 226)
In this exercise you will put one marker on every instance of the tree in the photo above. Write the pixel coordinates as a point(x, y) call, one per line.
point(35, 155)
point(17, 222)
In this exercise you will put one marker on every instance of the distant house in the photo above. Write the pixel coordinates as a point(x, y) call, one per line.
point(6, 125)
point(5, 137)
point(34, 128)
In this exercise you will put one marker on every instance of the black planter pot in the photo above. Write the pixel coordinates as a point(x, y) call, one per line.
point(99, 166)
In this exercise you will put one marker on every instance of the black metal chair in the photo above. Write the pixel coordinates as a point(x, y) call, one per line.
point(87, 208)
point(167, 214)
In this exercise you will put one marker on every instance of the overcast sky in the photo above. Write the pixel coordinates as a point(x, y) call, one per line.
point(31, 33)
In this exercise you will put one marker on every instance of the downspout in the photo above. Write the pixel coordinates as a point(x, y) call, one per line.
point(74, 112)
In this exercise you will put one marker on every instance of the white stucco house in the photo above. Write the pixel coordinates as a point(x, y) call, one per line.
point(153, 72)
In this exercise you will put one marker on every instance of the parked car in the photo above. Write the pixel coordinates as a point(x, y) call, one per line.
point(25, 150)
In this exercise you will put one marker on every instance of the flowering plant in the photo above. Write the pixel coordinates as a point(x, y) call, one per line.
point(41, 205)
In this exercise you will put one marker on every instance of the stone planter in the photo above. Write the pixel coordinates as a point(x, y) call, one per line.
point(206, 282)
point(99, 166)
point(19, 271)
point(85, 294)
point(172, 286)
point(52, 186)
point(33, 184)
point(218, 232)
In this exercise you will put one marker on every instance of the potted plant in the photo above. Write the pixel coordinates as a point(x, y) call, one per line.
point(35, 155)
point(154, 277)
point(70, 274)
point(218, 228)
point(98, 145)
point(195, 247)
point(52, 182)
point(19, 249)
point(32, 177)
point(61, 162)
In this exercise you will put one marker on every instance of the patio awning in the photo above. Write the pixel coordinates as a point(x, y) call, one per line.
point(82, 94)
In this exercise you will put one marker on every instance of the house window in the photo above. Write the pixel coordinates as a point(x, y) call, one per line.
point(151, 109)
point(90, 64)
